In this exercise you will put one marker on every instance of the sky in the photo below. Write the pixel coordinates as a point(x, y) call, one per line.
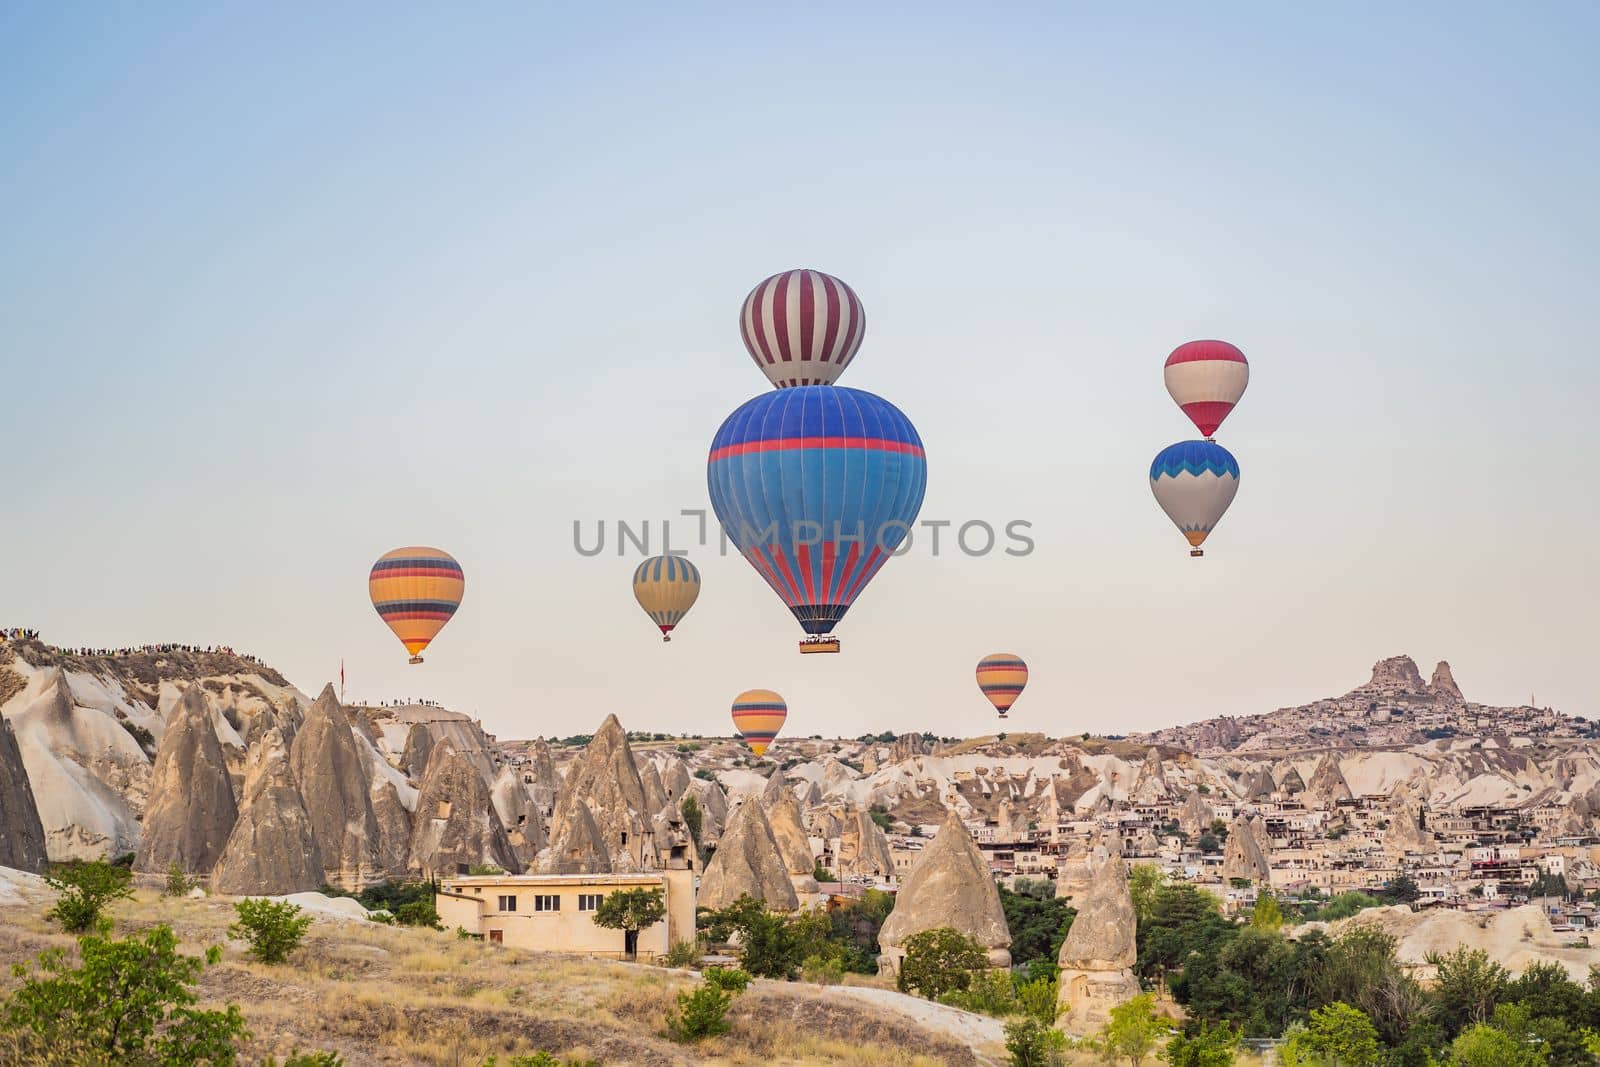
point(282, 288)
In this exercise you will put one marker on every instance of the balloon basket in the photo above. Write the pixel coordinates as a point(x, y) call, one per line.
point(416, 659)
point(812, 645)
point(1197, 552)
point(666, 637)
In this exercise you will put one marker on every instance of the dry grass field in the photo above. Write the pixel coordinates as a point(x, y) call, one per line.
point(394, 995)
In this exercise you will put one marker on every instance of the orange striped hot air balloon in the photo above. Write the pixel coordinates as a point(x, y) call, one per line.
point(1002, 676)
point(416, 591)
point(758, 715)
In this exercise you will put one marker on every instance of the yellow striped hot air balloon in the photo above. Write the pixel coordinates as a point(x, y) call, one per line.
point(758, 715)
point(416, 591)
point(1002, 676)
point(666, 588)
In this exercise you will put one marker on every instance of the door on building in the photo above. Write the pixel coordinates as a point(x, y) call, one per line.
point(496, 936)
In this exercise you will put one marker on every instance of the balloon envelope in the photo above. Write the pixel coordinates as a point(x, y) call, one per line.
point(1002, 676)
point(758, 715)
point(802, 327)
point(416, 591)
point(1206, 378)
point(666, 588)
point(817, 485)
point(1194, 482)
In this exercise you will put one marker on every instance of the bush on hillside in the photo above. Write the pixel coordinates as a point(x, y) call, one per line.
point(940, 961)
point(273, 928)
point(86, 889)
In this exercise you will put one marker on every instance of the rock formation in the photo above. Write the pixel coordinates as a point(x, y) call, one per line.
point(713, 809)
point(192, 808)
point(1196, 815)
point(22, 844)
point(1098, 955)
point(747, 861)
point(606, 780)
point(539, 775)
point(1327, 781)
point(793, 845)
point(655, 794)
point(1242, 857)
point(576, 847)
point(863, 847)
point(272, 849)
point(675, 781)
point(333, 779)
point(1397, 674)
point(524, 827)
point(1290, 782)
point(1445, 690)
point(419, 743)
point(455, 826)
point(950, 885)
point(1257, 784)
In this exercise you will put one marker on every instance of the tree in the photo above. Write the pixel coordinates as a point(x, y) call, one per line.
point(1133, 1030)
point(1211, 1046)
point(274, 928)
point(1031, 1043)
point(1468, 986)
point(1402, 889)
point(701, 1012)
point(1481, 1045)
point(770, 946)
point(1362, 970)
point(693, 819)
point(1544, 989)
point(129, 1000)
point(1207, 842)
point(940, 960)
point(1266, 915)
point(1337, 1036)
point(1037, 918)
point(1143, 881)
point(86, 889)
point(178, 881)
point(631, 910)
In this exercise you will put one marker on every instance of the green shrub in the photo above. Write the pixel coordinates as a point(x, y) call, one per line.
point(1039, 998)
point(129, 1001)
point(274, 928)
point(418, 913)
point(822, 874)
point(307, 1059)
point(940, 961)
point(682, 954)
point(86, 889)
point(731, 979)
point(178, 881)
point(484, 869)
point(1033, 1044)
point(382, 918)
point(541, 1059)
point(987, 992)
point(822, 970)
point(701, 1012)
point(1212, 1046)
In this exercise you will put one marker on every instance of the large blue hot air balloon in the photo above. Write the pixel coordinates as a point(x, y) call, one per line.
point(817, 485)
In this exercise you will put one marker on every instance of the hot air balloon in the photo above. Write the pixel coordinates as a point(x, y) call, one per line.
point(1002, 676)
point(802, 327)
point(1194, 482)
point(758, 715)
point(416, 591)
point(666, 588)
point(1207, 378)
point(817, 485)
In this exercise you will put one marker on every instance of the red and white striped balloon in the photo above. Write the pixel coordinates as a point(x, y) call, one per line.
point(1207, 378)
point(802, 327)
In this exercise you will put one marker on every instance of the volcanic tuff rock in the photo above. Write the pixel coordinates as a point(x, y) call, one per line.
point(1257, 784)
point(863, 847)
point(747, 860)
point(606, 780)
point(713, 809)
point(1445, 690)
point(675, 781)
point(576, 847)
point(1397, 674)
point(1291, 783)
point(1242, 857)
point(455, 826)
point(192, 808)
point(524, 827)
point(1195, 815)
point(950, 885)
point(90, 778)
point(1327, 781)
point(272, 849)
point(1098, 955)
point(419, 743)
point(335, 784)
point(655, 794)
point(793, 846)
point(541, 778)
point(21, 833)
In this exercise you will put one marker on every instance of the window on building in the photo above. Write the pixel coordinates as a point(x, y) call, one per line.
point(590, 901)
point(547, 902)
point(508, 903)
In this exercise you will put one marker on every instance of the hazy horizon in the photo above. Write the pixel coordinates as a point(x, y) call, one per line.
point(288, 289)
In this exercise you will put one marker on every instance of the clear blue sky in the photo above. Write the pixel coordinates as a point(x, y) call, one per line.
point(283, 288)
